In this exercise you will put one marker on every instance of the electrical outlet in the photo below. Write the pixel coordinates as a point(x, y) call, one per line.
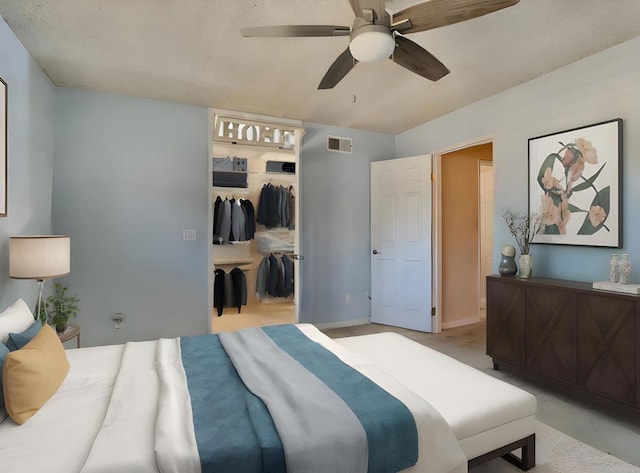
point(118, 319)
point(189, 234)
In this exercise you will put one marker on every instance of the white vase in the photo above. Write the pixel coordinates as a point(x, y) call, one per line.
point(624, 270)
point(526, 266)
point(613, 268)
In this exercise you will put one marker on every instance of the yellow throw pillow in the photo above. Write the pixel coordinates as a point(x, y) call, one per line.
point(31, 375)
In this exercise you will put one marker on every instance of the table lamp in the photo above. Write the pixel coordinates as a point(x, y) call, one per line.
point(39, 257)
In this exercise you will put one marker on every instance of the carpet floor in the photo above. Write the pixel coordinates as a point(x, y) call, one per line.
point(559, 453)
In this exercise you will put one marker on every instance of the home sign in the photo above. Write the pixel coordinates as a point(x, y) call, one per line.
point(246, 132)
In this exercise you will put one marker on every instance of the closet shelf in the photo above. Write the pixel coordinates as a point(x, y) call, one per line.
point(232, 261)
point(235, 190)
point(254, 150)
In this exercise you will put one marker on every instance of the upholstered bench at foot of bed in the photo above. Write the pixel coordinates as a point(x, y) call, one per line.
point(489, 417)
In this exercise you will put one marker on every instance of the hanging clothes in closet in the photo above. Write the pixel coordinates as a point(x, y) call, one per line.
point(233, 220)
point(276, 207)
point(229, 289)
point(275, 277)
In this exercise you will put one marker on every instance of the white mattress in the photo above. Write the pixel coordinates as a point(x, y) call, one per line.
point(483, 412)
point(57, 438)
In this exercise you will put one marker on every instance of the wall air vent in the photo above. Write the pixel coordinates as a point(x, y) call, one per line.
point(339, 145)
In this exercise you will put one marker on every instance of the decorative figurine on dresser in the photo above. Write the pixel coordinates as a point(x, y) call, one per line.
point(507, 261)
point(624, 270)
point(613, 268)
point(619, 276)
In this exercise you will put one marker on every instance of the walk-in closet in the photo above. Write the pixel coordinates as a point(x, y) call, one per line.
point(253, 220)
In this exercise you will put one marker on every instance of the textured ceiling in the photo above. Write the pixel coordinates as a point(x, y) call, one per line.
point(191, 51)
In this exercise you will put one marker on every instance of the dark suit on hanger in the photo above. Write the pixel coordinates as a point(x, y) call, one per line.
point(250, 218)
point(287, 288)
point(218, 290)
point(237, 221)
point(273, 285)
point(223, 223)
point(216, 213)
point(239, 281)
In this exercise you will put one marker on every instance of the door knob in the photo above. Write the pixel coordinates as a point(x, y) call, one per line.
point(376, 252)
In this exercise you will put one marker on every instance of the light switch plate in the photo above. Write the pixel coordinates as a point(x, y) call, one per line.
point(189, 234)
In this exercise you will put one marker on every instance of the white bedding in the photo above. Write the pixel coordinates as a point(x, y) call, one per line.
point(58, 438)
point(125, 441)
point(68, 435)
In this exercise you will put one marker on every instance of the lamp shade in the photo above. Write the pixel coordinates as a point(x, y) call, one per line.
point(39, 256)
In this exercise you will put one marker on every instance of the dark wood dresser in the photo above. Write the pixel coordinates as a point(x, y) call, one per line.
point(582, 339)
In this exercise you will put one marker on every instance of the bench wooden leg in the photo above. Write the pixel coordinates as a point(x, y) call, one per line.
point(527, 458)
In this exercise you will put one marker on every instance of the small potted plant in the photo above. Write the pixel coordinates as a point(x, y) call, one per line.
point(61, 307)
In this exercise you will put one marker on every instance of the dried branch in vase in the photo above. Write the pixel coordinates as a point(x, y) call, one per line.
point(523, 227)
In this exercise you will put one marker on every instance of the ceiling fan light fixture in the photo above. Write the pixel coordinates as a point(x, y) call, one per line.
point(371, 43)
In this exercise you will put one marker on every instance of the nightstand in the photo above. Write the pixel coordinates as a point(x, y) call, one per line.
point(72, 331)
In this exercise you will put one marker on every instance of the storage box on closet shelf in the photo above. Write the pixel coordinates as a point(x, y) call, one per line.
point(275, 241)
point(236, 164)
point(230, 172)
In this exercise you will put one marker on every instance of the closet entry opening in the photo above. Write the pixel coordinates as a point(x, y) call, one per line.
point(254, 240)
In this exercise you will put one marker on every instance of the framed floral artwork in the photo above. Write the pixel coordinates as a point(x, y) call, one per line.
point(575, 185)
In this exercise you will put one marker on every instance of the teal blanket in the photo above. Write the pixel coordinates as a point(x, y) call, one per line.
point(233, 427)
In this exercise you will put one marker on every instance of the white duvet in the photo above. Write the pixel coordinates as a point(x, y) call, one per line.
point(127, 408)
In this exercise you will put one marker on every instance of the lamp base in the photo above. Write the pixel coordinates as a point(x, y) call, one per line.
point(41, 310)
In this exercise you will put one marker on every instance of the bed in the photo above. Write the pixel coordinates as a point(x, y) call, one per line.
point(123, 408)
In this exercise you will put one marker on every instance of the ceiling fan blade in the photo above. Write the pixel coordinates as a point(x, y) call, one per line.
point(417, 59)
point(338, 70)
point(437, 13)
point(355, 6)
point(296, 30)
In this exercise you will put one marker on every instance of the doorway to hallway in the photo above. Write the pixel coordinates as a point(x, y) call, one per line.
point(465, 249)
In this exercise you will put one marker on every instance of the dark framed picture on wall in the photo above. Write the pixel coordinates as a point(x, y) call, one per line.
point(3, 147)
point(575, 185)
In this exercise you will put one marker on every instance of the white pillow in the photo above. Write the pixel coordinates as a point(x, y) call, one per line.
point(15, 319)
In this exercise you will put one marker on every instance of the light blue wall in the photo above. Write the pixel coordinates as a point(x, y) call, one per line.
point(595, 89)
point(336, 223)
point(30, 157)
point(129, 175)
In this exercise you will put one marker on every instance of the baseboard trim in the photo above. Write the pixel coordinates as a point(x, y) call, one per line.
point(345, 323)
point(461, 322)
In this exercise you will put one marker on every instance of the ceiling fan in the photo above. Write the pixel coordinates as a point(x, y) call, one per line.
point(375, 35)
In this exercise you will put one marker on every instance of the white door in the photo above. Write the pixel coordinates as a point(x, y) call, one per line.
point(401, 242)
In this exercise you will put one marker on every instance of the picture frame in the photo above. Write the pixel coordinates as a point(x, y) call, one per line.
point(3, 146)
point(575, 185)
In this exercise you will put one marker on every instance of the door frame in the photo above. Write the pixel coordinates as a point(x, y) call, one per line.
point(482, 163)
point(436, 238)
